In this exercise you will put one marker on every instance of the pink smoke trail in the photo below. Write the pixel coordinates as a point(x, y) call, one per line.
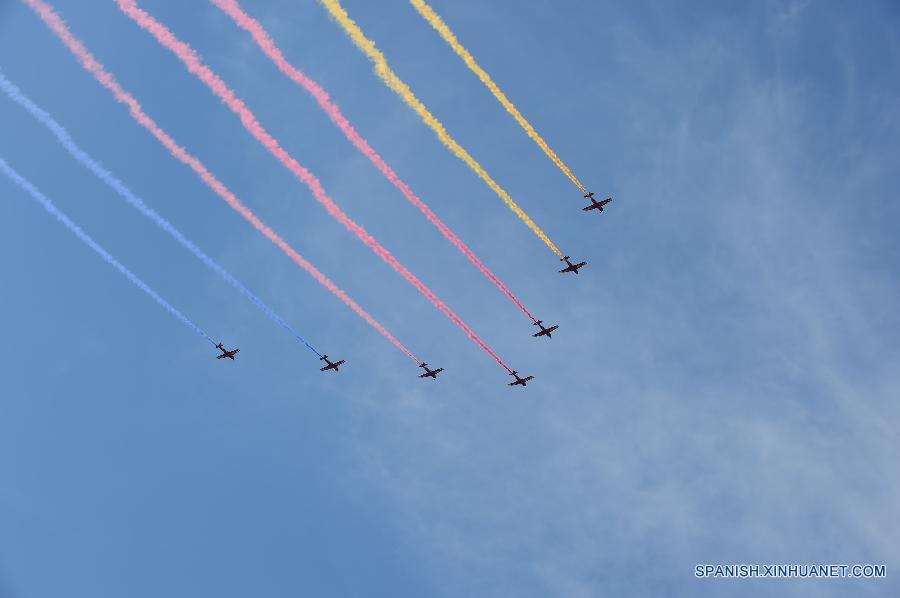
point(233, 9)
point(193, 63)
point(87, 60)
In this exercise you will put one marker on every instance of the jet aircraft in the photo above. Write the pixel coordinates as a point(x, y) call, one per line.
point(330, 366)
point(570, 267)
point(544, 331)
point(519, 381)
point(429, 373)
point(595, 205)
point(226, 353)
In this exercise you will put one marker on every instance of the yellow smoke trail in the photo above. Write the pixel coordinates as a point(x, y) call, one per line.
point(398, 86)
point(435, 20)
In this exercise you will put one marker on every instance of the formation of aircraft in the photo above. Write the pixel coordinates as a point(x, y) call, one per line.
point(226, 353)
point(433, 374)
point(331, 365)
point(544, 331)
point(519, 381)
point(595, 205)
point(429, 373)
point(570, 267)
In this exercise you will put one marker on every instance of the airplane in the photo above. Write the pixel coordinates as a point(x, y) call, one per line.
point(429, 373)
point(595, 205)
point(330, 366)
point(570, 267)
point(544, 331)
point(226, 353)
point(520, 381)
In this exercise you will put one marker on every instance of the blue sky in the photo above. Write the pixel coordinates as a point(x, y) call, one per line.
point(723, 387)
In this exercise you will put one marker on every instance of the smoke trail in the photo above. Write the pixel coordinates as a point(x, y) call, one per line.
point(435, 20)
point(33, 191)
point(15, 94)
point(193, 63)
point(267, 45)
point(105, 78)
point(383, 70)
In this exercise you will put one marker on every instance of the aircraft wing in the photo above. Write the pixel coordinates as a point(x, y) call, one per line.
point(528, 378)
point(221, 356)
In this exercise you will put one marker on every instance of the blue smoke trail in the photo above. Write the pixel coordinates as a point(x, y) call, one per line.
point(48, 205)
point(107, 177)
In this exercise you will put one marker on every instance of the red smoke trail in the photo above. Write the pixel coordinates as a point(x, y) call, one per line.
point(267, 45)
point(193, 63)
point(87, 60)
